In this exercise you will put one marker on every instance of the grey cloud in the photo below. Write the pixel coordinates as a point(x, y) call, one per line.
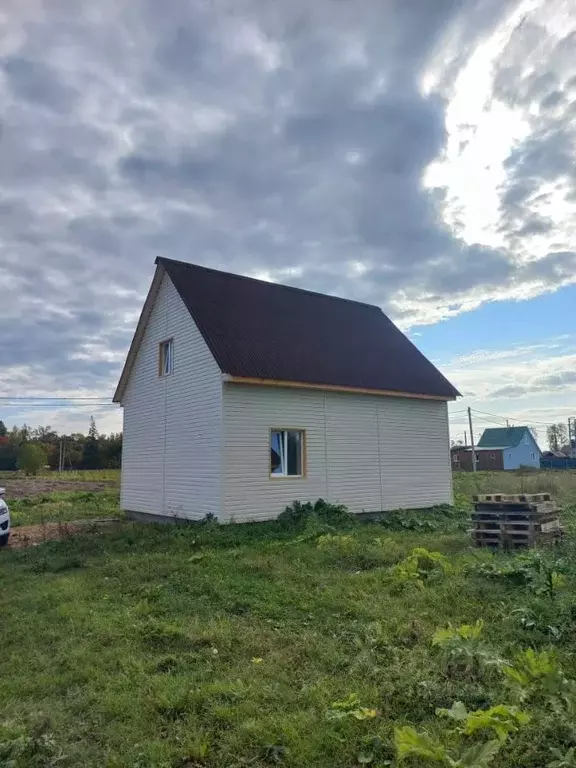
point(534, 73)
point(558, 380)
point(35, 82)
point(247, 136)
point(561, 380)
point(509, 391)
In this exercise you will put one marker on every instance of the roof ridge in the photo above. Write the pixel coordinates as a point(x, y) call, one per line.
point(164, 259)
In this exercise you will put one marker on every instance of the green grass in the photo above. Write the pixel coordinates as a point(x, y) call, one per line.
point(64, 506)
point(227, 646)
point(84, 475)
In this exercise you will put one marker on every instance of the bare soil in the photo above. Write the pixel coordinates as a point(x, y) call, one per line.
point(33, 535)
point(21, 487)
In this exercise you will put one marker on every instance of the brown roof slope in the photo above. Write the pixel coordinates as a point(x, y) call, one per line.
point(257, 329)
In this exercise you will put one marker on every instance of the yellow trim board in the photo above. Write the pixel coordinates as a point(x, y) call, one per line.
point(330, 388)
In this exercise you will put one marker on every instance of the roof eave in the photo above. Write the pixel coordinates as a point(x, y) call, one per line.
point(139, 332)
point(228, 378)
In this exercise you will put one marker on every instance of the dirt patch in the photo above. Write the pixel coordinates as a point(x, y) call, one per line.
point(22, 487)
point(33, 535)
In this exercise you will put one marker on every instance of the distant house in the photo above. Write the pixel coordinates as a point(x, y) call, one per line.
point(485, 460)
point(514, 447)
point(557, 460)
point(241, 396)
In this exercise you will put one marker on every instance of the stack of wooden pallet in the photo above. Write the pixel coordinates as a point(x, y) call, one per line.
point(512, 521)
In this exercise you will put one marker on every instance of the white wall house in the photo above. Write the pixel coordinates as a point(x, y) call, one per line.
point(241, 396)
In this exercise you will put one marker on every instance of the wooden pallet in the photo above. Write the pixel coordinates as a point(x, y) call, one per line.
point(514, 539)
point(514, 520)
point(513, 498)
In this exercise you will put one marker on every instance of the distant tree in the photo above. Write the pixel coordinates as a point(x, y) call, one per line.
point(19, 435)
point(557, 435)
point(45, 435)
point(91, 458)
point(3, 430)
point(31, 458)
point(111, 450)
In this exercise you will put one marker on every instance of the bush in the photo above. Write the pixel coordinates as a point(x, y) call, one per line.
point(31, 458)
point(299, 513)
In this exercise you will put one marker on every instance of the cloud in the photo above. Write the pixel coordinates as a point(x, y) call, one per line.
point(291, 140)
point(531, 384)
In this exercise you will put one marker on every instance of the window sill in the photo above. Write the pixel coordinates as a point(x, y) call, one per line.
point(286, 477)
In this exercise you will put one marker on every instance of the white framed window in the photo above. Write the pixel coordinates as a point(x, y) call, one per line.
point(287, 452)
point(455, 458)
point(166, 357)
point(493, 456)
point(526, 440)
point(533, 455)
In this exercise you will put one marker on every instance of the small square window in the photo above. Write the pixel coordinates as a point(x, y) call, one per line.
point(286, 453)
point(533, 455)
point(166, 357)
point(493, 456)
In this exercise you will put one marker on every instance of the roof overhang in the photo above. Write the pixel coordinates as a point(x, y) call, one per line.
point(139, 333)
point(330, 388)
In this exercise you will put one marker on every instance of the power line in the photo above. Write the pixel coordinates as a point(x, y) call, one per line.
point(58, 406)
point(512, 418)
point(70, 398)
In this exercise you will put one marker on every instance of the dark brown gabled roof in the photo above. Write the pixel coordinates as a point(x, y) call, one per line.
point(261, 330)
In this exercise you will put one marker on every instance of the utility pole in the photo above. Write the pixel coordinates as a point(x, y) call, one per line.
point(572, 436)
point(472, 440)
point(465, 438)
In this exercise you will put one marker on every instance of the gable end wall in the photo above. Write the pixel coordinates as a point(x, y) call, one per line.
point(172, 425)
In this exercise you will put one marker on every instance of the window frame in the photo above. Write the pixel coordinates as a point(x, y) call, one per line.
point(303, 457)
point(162, 357)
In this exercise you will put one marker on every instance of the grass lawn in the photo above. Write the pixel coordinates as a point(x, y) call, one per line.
point(64, 506)
point(303, 645)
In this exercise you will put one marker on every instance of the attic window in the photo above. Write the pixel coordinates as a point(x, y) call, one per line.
point(286, 453)
point(166, 357)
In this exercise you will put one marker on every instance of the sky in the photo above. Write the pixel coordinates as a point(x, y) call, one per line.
point(412, 154)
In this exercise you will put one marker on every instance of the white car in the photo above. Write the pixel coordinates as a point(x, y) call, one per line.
point(4, 520)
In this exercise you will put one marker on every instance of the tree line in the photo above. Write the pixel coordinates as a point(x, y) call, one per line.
point(31, 449)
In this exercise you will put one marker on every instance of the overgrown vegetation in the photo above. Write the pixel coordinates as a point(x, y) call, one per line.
point(316, 640)
point(64, 506)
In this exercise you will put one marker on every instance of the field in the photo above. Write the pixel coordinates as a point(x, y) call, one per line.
point(307, 642)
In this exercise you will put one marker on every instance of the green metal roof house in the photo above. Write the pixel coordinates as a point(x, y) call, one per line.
point(518, 446)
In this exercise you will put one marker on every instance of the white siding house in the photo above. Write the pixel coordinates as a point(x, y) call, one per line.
point(200, 439)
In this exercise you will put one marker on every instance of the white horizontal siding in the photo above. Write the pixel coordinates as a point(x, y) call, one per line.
point(249, 415)
point(352, 440)
point(414, 453)
point(172, 424)
point(368, 452)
